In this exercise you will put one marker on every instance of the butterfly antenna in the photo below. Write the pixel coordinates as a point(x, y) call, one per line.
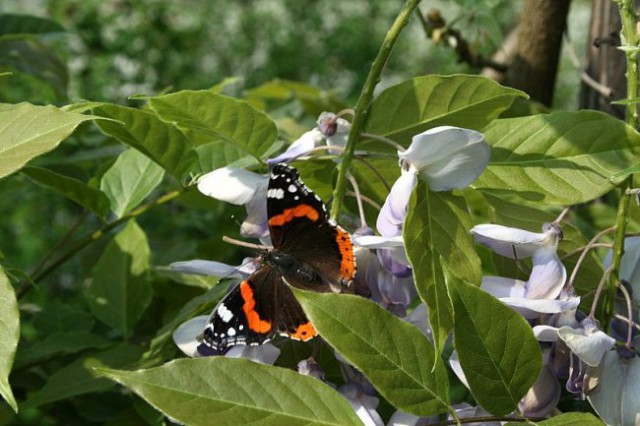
point(356, 190)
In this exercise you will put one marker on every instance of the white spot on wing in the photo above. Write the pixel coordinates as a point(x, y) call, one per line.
point(277, 193)
point(292, 188)
point(224, 313)
point(231, 332)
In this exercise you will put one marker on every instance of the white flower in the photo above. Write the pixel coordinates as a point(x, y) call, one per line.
point(515, 243)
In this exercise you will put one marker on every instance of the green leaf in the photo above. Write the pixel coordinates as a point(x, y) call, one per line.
point(394, 355)
point(436, 231)
point(27, 24)
point(223, 391)
point(411, 107)
point(210, 118)
point(9, 336)
point(566, 419)
point(626, 172)
point(130, 180)
point(498, 353)
point(120, 291)
point(56, 344)
point(80, 377)
point(27, 131)
point(75, 190)
point(158, 140)
point(560, 158)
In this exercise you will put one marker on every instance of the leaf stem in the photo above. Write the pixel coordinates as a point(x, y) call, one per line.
point(93, 237)
point(364, 101)
point(630, 44)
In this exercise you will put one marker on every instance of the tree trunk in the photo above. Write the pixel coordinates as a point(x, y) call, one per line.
point(534, 67)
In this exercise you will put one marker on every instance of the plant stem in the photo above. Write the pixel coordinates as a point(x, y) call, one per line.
point(364, 101)
point(93, 237)
point(630, 45)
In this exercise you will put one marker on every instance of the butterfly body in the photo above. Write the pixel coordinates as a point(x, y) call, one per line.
point(309, 252)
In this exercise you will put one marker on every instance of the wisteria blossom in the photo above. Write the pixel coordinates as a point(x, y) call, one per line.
point(445, 157)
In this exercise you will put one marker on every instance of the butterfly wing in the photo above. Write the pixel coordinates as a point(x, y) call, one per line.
point(299, 227)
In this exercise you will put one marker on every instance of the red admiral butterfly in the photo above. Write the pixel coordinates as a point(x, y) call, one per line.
point(309, 252)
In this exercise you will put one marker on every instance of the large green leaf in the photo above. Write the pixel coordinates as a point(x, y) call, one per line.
point(27, 131)
point(27, 24)
point(394, 355)
point(161, 142)
point(75, 190)
point(437, 230)
point(408, 108)
point(120, 292)
point(9, 336)
point(498, 353)
point(559, 158)
point(211, 118)
point(222, 391)
point(129, 180)
point(80, 377)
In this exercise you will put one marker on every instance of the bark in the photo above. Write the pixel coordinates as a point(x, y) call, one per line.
point(535, 64)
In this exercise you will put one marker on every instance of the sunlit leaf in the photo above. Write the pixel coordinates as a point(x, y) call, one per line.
point(437, 230)
point(120, 291)
point(9, 335)
point(225, 391)
point(80, 377)
point(394, 355)
point(161, 142)
point(27, 131)
point(559, 158)
point(75, 190)
point(130, 180)
point(498, 353)
point(409, 108)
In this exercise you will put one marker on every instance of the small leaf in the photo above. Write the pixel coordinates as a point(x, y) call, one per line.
point(130, 180)
point(80, 377)
point(120, 291)
point(75, 190)
point(560, 158)
point(27, 24)
point(142, 130)
point(27, 131)
point(9, 336)
point(624, 173)
point(411, 107)
point(498, 353)
point(394, 355)
point(437, 230)
point(222, 391)
point(211, 118)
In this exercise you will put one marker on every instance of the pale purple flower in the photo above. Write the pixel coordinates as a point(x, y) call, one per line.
point(445, 157)
point(515, 243)
point(363, 404)
point(216, 269)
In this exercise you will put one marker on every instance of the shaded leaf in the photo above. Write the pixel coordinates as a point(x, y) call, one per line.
point(413, 106)
point(130, 180)
point(27, 24)
point(211, 118)
point(437, 230)
point(225, 391)
point(120, 292)
point(161, 142)
point(28, 130)
point(80, 377)
point(9, 336)
point(394, 355)
point(57, 316)
point(58, 343)
point(75, 190)
point(498, 353)
point(560, 158)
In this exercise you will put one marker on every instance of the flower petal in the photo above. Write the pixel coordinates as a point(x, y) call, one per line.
point(589, 346)
point(363, 404)
point(185, 335)
point(545, 333)
point(264, 354)
point(206, 267)
point(533, 308)
point(376, 242)
point(547, 276)
point(255, 224)
point(503, 287)
point(448, 157)
point(301, 146)
point(543, 396)
point(513, 243)
point(231, 184)
point(394, 210)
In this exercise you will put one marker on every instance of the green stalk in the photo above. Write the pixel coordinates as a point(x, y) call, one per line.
point(93, 237)
point(630, 47)
point(364, 101)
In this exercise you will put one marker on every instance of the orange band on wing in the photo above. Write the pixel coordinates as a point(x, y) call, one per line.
point(303, 210)
point(253, 318)
point(348, 264)
point(304, 332)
